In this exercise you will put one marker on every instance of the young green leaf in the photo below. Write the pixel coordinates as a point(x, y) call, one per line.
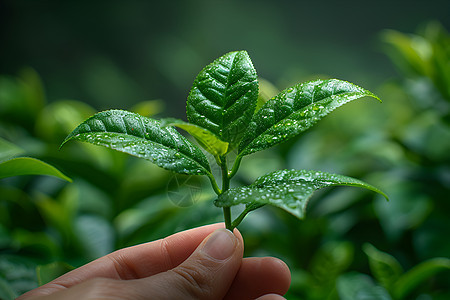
point(296, 109)
point(287, 189)
point(327, 264)
point(142, 137)
point(223, 96)
point(208, 140)
point(8, 150)
point(386, 269)
point(29, 166)
point(413, 277)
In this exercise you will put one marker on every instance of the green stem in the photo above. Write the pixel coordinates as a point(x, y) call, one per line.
point(235, 167)
point(238, 220)
point(227, 218)
point(225, 187)
point(241, 217)
point(214, 184)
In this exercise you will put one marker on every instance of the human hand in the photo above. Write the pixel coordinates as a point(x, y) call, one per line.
point(201, 263)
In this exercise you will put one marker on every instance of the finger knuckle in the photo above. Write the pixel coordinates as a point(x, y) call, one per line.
point(194, 282)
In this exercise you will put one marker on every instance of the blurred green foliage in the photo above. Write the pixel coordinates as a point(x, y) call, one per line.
point(352, 245)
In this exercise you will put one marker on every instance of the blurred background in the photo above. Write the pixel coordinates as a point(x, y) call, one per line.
point(62, 61)
point(116, 53)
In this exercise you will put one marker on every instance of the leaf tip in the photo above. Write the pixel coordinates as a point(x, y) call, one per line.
point(383, 194)
point(377, 98)
point(368, 248)
point(370, 94)
point(68, 138)
point(66, 178)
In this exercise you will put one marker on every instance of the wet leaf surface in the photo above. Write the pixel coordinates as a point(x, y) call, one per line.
point(287, 189)
point(224, 95)
point(142, 137)
point(296, 109)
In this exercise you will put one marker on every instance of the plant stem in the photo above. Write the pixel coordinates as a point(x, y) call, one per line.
point(238, 220)
point(225, 187)
point(225, 178)
point(235, 167)
point(227, 218)
point(214, 185)
point(241, 217)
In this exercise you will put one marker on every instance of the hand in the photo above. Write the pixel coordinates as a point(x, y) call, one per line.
point(201, 263)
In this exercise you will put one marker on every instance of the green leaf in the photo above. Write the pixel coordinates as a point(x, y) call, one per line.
point(386, 269)
point(411, 279)
point(59, 213)
point(287, 189)
point(58, 119)
point(329, 262)
point(8, 150)
point(410, 53)
point(51, 271)
point(296, 109)
point(142, 137)
point(29, 166)
point(223, 97)
point(354, 285)
point(208, 140)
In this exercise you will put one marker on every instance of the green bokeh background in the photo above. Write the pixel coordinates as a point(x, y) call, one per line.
point(116, 53)
point(61, 61)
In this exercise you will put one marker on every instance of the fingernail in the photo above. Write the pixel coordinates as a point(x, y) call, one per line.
point(221, 244)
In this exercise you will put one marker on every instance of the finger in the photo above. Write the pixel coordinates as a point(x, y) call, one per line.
point(134, 262)
point(271, 297)
point(207, 274)
point(266, 277)
point(259, 276)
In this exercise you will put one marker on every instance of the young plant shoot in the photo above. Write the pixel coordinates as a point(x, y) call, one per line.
point(223, 117)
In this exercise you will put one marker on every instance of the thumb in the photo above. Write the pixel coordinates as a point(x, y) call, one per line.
point(206, 274)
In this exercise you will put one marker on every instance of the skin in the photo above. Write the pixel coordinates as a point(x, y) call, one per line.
point(202, 263)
